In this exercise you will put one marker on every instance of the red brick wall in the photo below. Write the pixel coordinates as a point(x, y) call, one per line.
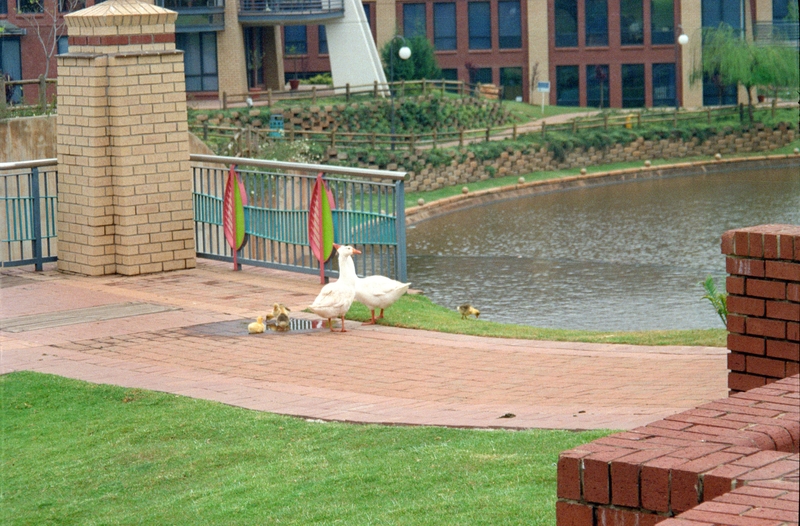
point(763, 265)
point(730, 462)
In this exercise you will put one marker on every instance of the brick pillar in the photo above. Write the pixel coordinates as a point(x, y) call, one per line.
point(763, 265)
point(125, 202)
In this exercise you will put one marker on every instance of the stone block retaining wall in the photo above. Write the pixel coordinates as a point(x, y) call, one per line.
point(514, 162)
point(763, 265)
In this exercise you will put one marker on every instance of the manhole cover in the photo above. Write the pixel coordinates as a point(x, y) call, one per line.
point(239, 328)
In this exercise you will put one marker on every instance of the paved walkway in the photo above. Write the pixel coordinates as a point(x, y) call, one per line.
point(185, 332)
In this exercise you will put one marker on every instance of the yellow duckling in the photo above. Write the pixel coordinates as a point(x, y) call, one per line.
point(466, 310)
point(277, 308)
point(282, 319)
point(257, 327)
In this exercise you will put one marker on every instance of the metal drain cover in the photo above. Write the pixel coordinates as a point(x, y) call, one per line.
point(239, 328)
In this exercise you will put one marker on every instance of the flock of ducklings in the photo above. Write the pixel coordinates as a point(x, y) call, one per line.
point(277, 320)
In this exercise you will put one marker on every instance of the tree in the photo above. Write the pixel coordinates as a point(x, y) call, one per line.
point(732, 59)
point(421, 65)
point(44, 18)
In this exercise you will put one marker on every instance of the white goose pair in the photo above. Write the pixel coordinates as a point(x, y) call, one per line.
point(376, 292)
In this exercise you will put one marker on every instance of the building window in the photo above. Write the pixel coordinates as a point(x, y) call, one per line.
point(508, 24)
point(597, 86)
point(254, 56)
point(596, 22)
point(567, 86)
point(480, 25)
point(322, 39)
point(511, 80)
point(450, 74)
point(30, 6)
point(780, 10)
point(566, 21)
point(716, 12)
point(662, 22)
point(664, 85)
point(715, 93)
point(3, 7)
point(479, 75)
point(633, 85)
point(63, 45)
point(70, 6)
point(631, 22)
point(199, 60)
point(444, 26)
point(295, 41)
point(414, 21)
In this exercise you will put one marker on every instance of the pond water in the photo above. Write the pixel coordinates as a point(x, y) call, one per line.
point(617, 257)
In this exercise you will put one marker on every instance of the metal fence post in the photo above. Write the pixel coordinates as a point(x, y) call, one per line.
point(36, 220)
point(400, 226)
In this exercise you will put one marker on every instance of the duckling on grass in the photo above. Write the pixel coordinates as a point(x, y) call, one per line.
point(467, 310)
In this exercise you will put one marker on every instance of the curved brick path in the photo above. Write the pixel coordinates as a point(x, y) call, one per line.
point(187, 340)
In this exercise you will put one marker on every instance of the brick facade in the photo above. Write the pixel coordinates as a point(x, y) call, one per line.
point(763, 265)
point(125, 201)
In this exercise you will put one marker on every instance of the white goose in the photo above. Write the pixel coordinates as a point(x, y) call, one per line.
point(379, 292)
point(335, 298)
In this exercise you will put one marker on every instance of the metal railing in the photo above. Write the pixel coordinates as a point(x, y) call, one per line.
point(28, 194)
point(260, 10)
point(368, 212)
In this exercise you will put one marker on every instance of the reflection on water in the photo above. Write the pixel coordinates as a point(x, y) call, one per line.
point(617, 257)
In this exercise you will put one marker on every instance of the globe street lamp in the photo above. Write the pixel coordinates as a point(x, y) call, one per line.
point(404, 53)
point(683, 39)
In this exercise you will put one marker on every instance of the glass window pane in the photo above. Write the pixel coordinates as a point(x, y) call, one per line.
point(209, 53)
point(63, 45)
point(715, 93)
point(482, 76)
point(511, 80)
point(368, 13)
point(189, 43)
point(444, 26)
point(508, 24)
point(3, 7)
point(295, 42)
point(596, 22)
point(567, 86)
point(566, 23)
point(323, 40)
point(663, 85)
point(631, 24)
point(633, 85)
point(662, 22)
point(414, 22)
point(480, 26)
point(450, 74)
point(597, 85)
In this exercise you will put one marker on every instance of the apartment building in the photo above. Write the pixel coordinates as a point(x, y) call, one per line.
point(610, 53)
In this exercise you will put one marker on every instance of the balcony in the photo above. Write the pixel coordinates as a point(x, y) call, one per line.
point(196, 16)
point(778, 32)
point(272, 12)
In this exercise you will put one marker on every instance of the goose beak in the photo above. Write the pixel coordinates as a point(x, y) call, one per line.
point(356, 251)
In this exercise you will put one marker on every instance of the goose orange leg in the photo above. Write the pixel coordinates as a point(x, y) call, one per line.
point(343, 329)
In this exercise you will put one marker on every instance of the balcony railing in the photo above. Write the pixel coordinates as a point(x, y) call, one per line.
point(196, 15)
point(282, 11)
point(786, 33)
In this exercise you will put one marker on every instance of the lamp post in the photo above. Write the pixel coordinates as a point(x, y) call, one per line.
point(683, 39)
point(404, 53)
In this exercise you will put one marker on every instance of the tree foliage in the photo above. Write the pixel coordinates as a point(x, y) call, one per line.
point(421, 65)
point(733, 59)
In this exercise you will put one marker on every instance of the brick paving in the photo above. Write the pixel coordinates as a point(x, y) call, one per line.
point(372, 374)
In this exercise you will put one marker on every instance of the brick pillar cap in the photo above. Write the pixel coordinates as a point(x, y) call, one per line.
point(119, 13)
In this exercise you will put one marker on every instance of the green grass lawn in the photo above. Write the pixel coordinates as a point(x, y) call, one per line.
point(80, 453)
point(415, 311)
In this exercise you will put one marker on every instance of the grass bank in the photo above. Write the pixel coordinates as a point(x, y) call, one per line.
point(79, 453)
point(415, 311)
